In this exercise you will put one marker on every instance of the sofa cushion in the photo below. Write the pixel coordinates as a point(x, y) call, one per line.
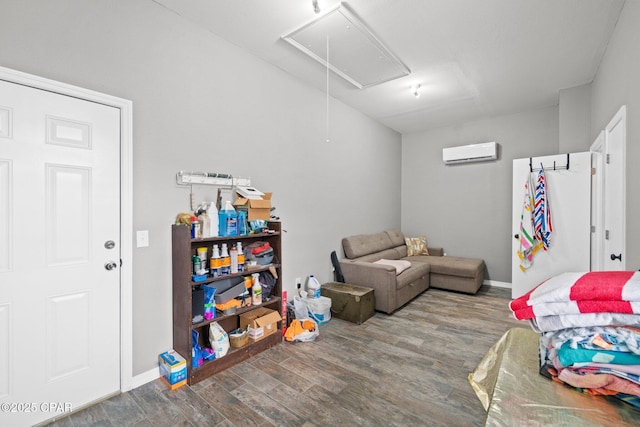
point(416, 246)
point(452, 265)
point(399, 264)
point(396, 237)
point(365, 244)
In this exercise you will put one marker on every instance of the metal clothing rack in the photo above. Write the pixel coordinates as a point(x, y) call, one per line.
point(565, 167)
point(210, 178)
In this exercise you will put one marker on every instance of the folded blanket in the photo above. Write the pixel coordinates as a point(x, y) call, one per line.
point(562, 321)
point(567, 356)
point(591, 292)
point(577, 307)
point(611, 368)
point(618, 371)
point(603, 383)
point(615, 338)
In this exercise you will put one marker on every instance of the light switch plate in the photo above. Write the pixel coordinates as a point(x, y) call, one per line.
point(142, 238)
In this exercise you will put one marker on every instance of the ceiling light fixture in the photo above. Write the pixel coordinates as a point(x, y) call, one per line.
point(415, 89)
point(316, 8)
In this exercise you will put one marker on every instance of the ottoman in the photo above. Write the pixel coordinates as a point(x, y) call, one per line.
point(456, 273)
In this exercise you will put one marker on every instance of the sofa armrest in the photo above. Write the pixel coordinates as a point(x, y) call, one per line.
point(382, 278)
point(435, 251)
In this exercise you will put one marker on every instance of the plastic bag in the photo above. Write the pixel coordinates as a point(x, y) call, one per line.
point(302, 330)
point(196, 350)
point(300, 308)
point(218, 339)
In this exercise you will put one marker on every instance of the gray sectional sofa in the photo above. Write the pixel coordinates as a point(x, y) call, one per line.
point(393, 290)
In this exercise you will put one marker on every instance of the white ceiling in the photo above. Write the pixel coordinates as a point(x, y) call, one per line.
point(472, 58)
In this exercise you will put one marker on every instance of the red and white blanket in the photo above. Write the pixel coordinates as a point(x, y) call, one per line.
point(575, 293)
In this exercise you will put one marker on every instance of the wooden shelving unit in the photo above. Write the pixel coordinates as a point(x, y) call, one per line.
point(183, 248)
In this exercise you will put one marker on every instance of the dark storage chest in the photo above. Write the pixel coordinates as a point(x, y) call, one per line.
point(349, 302)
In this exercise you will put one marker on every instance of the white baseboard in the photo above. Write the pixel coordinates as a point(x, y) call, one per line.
point(497, 284)
point(145, 377)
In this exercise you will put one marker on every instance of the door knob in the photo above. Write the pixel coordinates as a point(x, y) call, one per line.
point(616, 257)
point(110, 265)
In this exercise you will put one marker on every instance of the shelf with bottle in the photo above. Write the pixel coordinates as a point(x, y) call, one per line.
point(247, 272)
point(274, 301)
point(251, 236)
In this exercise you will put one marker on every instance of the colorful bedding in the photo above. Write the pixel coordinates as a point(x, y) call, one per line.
point(576, 293)
point(590, 330)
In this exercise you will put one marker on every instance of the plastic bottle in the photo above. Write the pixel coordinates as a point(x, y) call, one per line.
point(205, 221)
point(228, 220)
point(226, 260)
point(196, 230)
point(196, 264)
point(313, 287)
point(213, 217)
point(202, 254)
point(240, 257)
point(256, 292)
point(243, 227)
point(215, 264)
point(233, 254)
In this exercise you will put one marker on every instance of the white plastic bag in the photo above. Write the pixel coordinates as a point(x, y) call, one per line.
point(300, 308)
point(218, 339)
point(305, 330)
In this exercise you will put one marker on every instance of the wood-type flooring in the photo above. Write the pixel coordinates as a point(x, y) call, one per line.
point(406, 369)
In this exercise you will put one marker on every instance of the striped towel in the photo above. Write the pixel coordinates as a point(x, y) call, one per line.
point(576, 293)
point(542, 212)
point(528, 243)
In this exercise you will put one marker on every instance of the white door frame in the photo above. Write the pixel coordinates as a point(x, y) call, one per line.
point(597, 183)
point(126, 202)
point(619, 119)
point(600, 149)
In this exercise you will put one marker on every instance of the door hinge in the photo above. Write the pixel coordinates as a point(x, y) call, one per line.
point(608, 158)
point(593, 171)
point(593, 228)
point(606, 234)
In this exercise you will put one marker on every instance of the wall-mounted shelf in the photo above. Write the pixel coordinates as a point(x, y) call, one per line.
point(210, 178)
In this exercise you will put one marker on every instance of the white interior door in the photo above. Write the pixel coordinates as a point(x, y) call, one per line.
point(597, 211)
point(569, 200)
point(614, 193)
point(59, 213)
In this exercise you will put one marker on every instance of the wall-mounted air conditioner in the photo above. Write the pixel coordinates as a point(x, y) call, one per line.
point(470, 153)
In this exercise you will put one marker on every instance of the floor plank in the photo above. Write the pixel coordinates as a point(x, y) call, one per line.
point(405, 369)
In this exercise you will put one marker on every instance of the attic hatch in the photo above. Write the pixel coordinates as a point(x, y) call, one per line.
point(355, 54)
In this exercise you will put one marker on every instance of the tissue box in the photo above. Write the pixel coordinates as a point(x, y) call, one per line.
point(173, 369)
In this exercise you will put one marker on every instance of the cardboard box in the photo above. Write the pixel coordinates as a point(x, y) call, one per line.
point(256, 208)
point(173, 369)
point(261, 322)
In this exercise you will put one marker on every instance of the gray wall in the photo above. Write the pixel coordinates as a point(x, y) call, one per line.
point(618, 83)
point(466, 208)
point(574, 105)
point(202, 104)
